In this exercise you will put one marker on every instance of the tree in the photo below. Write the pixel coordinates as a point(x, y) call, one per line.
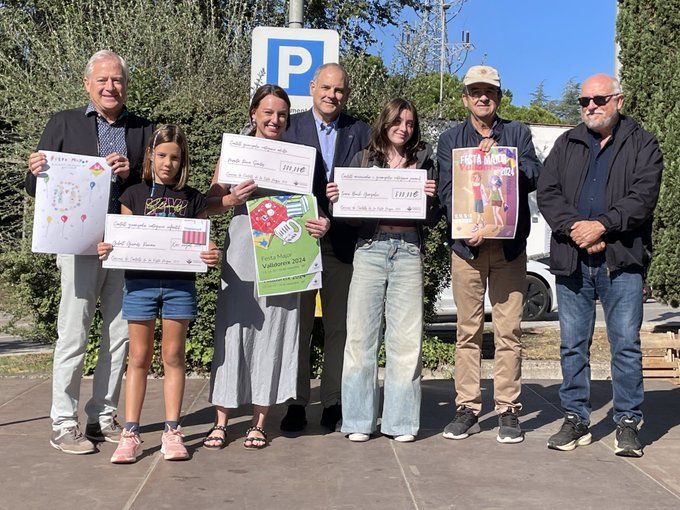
point(538, 97)
point(567, 108)
point(648, 32)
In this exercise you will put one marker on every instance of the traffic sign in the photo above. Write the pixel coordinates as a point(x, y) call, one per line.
point(288, 58)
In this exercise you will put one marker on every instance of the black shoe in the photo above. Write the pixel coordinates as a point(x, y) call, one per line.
point(626, 443)
point(463, 425)
point(331, 416)
point(509, 430)
point(572, 434)
point(295, 419)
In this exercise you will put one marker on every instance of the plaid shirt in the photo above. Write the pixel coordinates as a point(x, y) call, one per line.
point(110, 139)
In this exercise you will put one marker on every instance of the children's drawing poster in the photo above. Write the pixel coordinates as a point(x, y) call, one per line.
point(71, 201)
point(282, 246)
point(484, 193)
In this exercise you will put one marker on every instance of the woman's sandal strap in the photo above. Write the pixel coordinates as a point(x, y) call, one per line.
point(259, 429)
point(223, 428)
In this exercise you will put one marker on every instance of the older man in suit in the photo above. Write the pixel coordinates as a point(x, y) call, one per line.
point(107, 129)
point(337, 137)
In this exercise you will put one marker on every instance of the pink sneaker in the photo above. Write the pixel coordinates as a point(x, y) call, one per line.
point(129, 448)
point(172, 445)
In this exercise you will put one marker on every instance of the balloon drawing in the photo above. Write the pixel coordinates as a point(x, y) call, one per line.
point(64, 219)
point(47, 228)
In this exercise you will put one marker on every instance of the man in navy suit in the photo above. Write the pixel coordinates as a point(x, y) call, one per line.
point(337, 137)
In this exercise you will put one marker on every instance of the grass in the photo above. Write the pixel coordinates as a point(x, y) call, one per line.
point(26, 364)
point(544, 344)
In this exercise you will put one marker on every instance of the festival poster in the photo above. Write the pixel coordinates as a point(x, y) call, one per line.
point(71, 201)
point(484, 193)
point(289, 285)
point(282, 246)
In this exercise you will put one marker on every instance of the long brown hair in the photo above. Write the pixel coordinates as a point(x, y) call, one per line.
point(380, 144)
point(167, 133)
point(260, 94)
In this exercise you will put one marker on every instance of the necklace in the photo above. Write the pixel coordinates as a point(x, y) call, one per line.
point(399, 161)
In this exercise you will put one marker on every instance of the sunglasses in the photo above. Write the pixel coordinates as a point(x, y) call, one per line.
point(598, 100)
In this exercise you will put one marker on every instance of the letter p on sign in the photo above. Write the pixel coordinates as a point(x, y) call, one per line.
point(289, 57)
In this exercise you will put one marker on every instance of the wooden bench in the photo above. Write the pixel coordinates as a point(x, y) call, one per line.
point(661, 356)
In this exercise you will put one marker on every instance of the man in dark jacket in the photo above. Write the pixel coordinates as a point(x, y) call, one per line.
point(500, 263)
point(103, 128)
point(337, 137)
point(598, 192)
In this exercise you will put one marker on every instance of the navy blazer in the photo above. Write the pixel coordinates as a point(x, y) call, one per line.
point(76, 133)
point(353, 136)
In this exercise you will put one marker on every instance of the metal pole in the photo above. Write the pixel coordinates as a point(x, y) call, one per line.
point(295, 13)
point(442, 55)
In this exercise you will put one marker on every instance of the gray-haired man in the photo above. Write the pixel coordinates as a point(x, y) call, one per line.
point(102, 128)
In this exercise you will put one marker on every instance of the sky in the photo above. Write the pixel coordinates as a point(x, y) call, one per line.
point(530, 41)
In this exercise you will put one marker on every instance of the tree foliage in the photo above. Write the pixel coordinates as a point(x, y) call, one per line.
point(648, 32)
point(197, 77)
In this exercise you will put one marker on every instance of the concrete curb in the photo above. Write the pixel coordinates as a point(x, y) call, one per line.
point(531, 369)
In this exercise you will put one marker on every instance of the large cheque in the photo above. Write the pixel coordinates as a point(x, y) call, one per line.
point(380, 193)
point(71, 199)
point(156, 243)
point(274, 165)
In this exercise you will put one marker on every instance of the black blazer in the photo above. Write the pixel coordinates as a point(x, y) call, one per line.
point(76, 133)
point(353, 136)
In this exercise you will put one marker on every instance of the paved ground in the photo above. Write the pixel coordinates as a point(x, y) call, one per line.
point(318, 470)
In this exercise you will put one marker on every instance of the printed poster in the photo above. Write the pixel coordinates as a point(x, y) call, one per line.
point(71, 201)
point(484, 193)
point(282, 247)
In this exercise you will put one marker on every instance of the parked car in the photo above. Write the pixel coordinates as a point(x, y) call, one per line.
point(540, 300)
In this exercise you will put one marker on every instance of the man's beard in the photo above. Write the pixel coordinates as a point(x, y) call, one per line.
point(599, 123)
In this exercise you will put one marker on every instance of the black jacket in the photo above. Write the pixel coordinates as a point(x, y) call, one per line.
point(352, 136)
point(632, 192)
point(506, 133)
point(74, 132)
point(368, 227)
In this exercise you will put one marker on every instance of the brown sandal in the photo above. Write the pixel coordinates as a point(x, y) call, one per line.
point(222, 440)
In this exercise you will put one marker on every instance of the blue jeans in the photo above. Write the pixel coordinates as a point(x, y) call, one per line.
point(620, 293)
point(387, 278)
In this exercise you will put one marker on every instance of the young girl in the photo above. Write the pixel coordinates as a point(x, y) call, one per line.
point(387, 279)
point(150, 294)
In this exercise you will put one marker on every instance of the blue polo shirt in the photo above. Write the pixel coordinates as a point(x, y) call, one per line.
point(592, 201)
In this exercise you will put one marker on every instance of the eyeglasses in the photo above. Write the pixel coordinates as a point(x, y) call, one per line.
point(477, 93)
point(598, 100)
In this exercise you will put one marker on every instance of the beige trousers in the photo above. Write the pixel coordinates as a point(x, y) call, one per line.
point(507, 287)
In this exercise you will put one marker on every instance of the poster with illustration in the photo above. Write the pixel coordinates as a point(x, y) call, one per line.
point(282, 246)
point(71, 201)
point(484, 193)
point(289, 285)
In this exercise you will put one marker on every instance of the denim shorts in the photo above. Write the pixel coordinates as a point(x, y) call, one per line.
point(147, 299)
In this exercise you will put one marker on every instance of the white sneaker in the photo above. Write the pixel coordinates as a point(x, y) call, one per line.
point(405, 438)
point(358, 437)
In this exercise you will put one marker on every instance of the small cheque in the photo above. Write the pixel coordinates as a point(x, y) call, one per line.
point(156, 243)
point(397, 193)
point(274, 165)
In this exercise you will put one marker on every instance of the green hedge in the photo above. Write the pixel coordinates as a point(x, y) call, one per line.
point(648, 32)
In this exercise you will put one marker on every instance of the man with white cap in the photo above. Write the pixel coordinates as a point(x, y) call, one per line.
point(500, 264)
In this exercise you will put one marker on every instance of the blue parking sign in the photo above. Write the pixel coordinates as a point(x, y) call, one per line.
point(291, 64)
point(288, 57)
